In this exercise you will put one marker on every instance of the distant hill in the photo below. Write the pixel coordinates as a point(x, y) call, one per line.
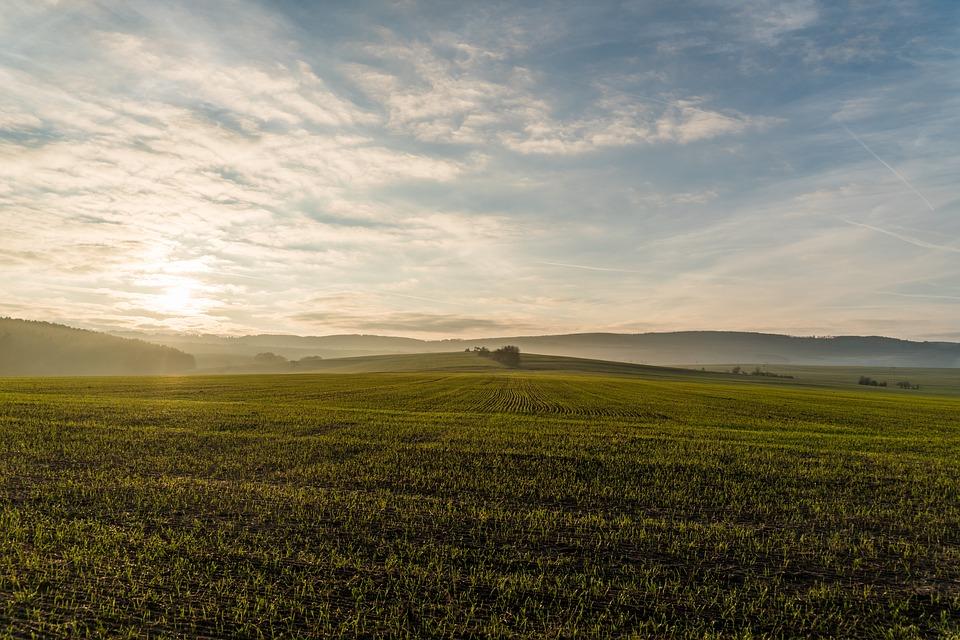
point(214, 351)
point(719, 347)
point(682, 347)
point(29, 348)
point(459, 361)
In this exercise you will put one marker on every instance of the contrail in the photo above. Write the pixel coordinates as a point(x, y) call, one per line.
point(917, 242)
point(892, 170)
point(588, 268)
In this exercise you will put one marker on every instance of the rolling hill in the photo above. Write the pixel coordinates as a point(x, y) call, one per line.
point(29, 348)
point(683, 347)
point(40, 348)
point(942, 381)
point(459, 361)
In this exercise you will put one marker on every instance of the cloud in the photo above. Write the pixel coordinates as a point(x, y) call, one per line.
point(857, 108)
point(771, 20)
point(589, 267)
point(921, 295)
point(648, 196)
point(19, 121)
point(687, 122)
point(484, 99)
point(630, 124)
point(412, 322)
point(289, 94)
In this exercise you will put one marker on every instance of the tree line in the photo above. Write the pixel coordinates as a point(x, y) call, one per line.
point(870, 382)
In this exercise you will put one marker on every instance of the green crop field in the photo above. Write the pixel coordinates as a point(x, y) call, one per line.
point(930, 381)
point(600, 502)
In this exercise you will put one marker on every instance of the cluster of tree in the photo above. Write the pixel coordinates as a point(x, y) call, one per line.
point(43, 348)
point(508, 355)
point(274, 361)
point(738, 370)
point(270, 359)
point(903, 384)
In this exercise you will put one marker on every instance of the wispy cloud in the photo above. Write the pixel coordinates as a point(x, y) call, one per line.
point(414, 323)
point(588, 267)
point(926, 296)
point(476, 96)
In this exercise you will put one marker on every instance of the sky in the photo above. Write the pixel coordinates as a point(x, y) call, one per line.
point(448, 169)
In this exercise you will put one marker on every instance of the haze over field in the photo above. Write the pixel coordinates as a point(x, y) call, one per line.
point(41, 348)
point(442, 170)
point(692, 347)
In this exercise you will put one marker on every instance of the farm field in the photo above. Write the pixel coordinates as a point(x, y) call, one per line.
point(469, 362)
point(557, 501)
point(931, 380)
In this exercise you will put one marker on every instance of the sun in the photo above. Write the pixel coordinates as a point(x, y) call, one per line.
point(177, 299)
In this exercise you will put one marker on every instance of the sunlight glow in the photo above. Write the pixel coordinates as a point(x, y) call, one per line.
point(177, 300)
point(176, 296)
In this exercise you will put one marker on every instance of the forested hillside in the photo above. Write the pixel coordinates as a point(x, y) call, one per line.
point(29, 348)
